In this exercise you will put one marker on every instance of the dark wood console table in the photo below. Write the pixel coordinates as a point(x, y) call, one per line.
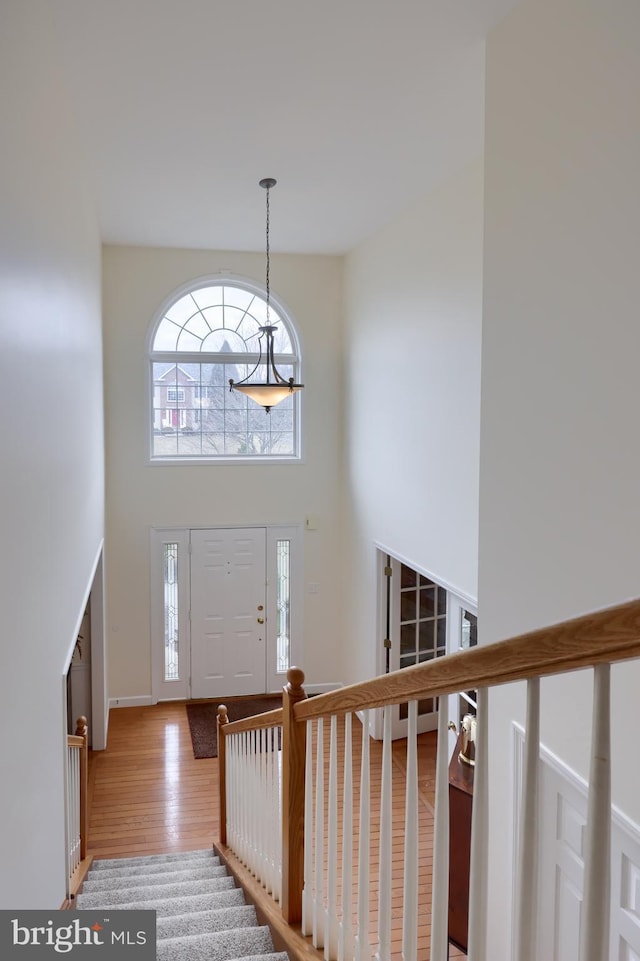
point(460, 803)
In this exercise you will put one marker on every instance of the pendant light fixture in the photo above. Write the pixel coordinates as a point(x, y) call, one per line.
point(275, 387)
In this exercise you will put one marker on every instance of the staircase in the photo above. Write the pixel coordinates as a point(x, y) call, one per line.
point(201, 914)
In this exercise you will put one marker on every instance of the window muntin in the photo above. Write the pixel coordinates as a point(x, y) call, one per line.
point(205, 338)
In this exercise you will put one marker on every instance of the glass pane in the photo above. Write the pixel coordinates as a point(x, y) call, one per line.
point(442, 601)
point(469, 630)
point(408, 641)
point(408, 606)
point(427, 601)
point(442, 635)
point(224, 341)
point(218, 308)
point(426, 635)
point(408, 577)
point(170, 568)
point(196, 415)
point(283, 582)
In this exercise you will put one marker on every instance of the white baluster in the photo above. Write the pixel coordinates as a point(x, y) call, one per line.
point(331, 922)
point(362, 938)
point(307, 890)
point(476, 950)
point(244, 793)
point(526, 907)
point(346, 946)
point(318, 901)
point(440, 878)
point(232, 800)
point(597, 871)
point(277, 754)
point(261, 797)
point(411, 840)
point(384, 878)
point(269, 821)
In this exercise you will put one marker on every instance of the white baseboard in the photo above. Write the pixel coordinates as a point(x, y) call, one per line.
point(144, 701)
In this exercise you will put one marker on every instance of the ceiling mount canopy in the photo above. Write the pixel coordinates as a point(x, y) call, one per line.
point(274, 388)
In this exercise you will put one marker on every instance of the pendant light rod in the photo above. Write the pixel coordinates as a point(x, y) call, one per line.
point(275, 387)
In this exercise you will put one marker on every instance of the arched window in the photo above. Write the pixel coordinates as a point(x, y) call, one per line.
point(207, 336)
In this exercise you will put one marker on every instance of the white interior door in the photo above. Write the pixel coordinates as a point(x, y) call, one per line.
point(228, 598)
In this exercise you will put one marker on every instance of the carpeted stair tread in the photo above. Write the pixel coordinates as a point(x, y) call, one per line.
point(202, 922)
point(163, 867)
point(201, 915)
point(216, 946)
point(150, 892)
point(272, 956)
point(170, 906)
point(102, 863)
point(122, 882)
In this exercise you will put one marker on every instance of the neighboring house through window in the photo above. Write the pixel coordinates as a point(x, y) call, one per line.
point(207, 335)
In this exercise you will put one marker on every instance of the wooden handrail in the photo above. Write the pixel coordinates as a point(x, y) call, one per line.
point(606, 636)
point(255, 722)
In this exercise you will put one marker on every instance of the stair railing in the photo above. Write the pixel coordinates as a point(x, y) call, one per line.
point(251, 779)
point(317, 736)
point(77, 804)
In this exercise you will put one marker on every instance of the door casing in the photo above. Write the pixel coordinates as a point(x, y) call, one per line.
point(180, 688)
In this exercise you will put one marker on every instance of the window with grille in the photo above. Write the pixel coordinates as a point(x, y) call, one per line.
point(206, 337)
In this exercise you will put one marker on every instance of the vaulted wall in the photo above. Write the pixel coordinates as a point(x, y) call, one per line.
point(560, 455)
point(52, 443)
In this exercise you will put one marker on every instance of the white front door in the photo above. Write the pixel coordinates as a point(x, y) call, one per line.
point(228, 618)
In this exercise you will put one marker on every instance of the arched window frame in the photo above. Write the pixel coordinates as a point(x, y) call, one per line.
point(264, 424)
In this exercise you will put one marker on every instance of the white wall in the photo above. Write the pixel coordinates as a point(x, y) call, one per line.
point(560, 450)
point(140, 496)
point(52, 466)
point(413, 295)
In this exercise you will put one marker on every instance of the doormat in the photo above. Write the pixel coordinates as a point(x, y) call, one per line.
point(202, 717)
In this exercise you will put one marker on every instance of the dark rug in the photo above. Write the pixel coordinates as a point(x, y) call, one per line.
point(202, 717)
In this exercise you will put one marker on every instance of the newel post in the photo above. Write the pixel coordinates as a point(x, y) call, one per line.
point(82, 730)
point(221, 720)
point(293, 770)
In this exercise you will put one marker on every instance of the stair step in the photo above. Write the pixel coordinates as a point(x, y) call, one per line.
point(201, 915)
point(113, 899)
point(101, 863)
point(152, 867)
point(203, 922)
point(121, 882)
point(218, 946)
point(170, 906)
point(272, 956)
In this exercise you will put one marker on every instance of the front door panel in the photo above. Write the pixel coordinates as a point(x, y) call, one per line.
point(228, 650)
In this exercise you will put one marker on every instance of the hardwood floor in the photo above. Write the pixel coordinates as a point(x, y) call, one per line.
point(149, 795)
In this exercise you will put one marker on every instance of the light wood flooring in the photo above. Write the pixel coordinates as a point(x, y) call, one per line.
point(149, 795)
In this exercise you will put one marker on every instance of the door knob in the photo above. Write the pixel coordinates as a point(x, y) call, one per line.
point(260, 620)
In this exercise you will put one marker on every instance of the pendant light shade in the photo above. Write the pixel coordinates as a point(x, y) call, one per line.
point(274, 388)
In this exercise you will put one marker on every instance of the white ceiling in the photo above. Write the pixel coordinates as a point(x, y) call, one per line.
point(354, 106)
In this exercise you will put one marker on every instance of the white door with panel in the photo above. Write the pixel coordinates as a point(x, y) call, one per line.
point(228, 619)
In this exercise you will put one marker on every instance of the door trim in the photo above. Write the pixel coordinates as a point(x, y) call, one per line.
point(180, 689)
